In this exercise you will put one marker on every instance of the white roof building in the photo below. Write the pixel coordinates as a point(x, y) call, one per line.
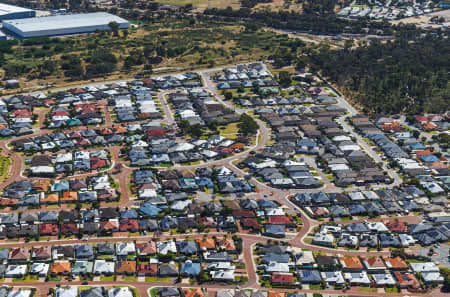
point(103, 267)
point(120, 292)
point(424, 267)
point(277, 267)
point(67, 292)
point(166, 247)
point(20, 293)
point(383, 279)
point(40, 268)
point(125, 248)
point(226, 275)
point(357, 278)
point(57, 25)
point(16, 270)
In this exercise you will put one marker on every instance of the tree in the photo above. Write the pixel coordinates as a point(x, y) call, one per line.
point(114, 26)
point(247, 125)
point(284, 78)
point(196, 130)
point(301, 62)
point(228, 95)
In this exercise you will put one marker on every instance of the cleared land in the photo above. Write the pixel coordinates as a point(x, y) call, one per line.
point(205, 44)
point(4, 167)
point(423, 20)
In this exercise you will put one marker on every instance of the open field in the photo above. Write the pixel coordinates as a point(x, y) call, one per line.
point(423, 20)
point(205, 44)
point(230, 131)
point(203, 4)
point(4, 167)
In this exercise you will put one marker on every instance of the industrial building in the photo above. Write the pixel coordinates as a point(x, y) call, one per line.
point(9, 12)
point(59, 25)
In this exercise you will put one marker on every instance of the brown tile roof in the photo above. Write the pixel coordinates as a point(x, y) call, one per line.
point(207, 243)
point(60, 267)
point(351, 262)
point(69, 196)
point(227, 244)
point(407, 280)
point(146, 248)
point(374, 262)
point(128, 267)
point(198, 292)
point(395, 263)
point(19, 254)
point(50, 198)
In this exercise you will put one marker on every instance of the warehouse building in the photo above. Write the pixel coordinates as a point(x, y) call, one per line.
point(59, 25)
point(10, 12)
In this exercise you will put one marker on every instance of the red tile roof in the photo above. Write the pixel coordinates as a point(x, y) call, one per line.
point(280, 220)
point(282, 278)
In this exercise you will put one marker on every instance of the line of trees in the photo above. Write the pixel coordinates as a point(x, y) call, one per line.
point(313, 23)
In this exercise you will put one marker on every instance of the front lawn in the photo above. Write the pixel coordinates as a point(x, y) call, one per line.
point(315, 287)
point(154, 279)
point(392, 290)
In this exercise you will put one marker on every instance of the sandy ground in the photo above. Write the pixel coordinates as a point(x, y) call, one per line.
point(423, 20)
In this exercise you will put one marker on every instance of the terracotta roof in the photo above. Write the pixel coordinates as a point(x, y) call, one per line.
point(109, 225)
point(237, 146)
point(49, 229)
point(397, 226)
point(69, 196)
point(407, 280)
point(275, 294)
point(207, 243)
point(250, 223)
point(198, 292)
point(227, 244)
point(129, 224)
point(41, 185)
point(126, 267)
point(280, 220)
point(119, 130)
point(430, 126)
point(69, 228)
point(375, 262)
point(395, 263)
point(60, 267)
point(351, 262)
point(426, 152)
point(145, 248)
point(282, 278)
point(147, 269)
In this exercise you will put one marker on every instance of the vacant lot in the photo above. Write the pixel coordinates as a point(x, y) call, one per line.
point(202, 4)
point(423, 20)
point(4, 167)
point(166, 45)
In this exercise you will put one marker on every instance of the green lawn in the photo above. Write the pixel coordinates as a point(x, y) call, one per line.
point(315, 287)
point(391, 290)
point(105, 278)
point(130, 278)
point(4, 167)
point(229, 131)
point(154, 279)
point(367, 289)
point(308, 240)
